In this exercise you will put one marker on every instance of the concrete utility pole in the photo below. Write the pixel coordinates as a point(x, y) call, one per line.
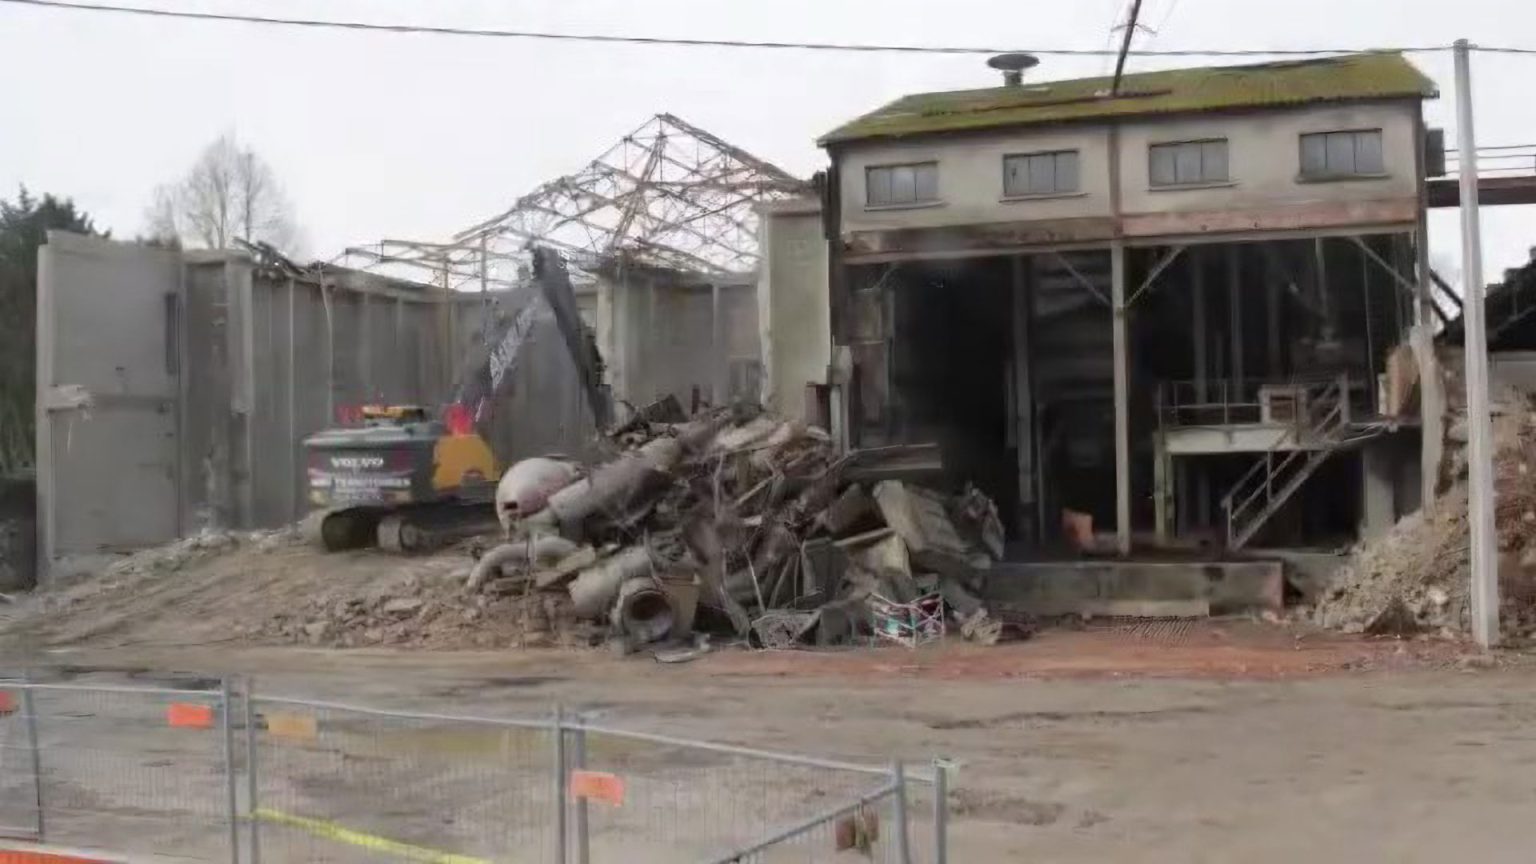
point(1484, 551)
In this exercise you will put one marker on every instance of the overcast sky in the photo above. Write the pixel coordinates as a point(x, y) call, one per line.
point(414, 136)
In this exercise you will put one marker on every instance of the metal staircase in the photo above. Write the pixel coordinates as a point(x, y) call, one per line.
point(1321, 425)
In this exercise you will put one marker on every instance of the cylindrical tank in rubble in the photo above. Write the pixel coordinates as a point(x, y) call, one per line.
point(614, 481)
point(543, 549)
point(595, 587)
point(527, 485)
point(643, 611)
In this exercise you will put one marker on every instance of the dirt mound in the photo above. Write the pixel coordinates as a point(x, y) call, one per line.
point(1416, 575)
point(271, 588)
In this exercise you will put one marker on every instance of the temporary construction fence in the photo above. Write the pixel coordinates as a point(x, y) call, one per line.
point(211, 772)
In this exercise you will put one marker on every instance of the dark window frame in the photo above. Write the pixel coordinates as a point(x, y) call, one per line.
point(1178, 148)
point(1329, 172)
point(1056, 187)
point(917, 199)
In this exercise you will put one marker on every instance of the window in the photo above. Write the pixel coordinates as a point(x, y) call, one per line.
point(1040, 174)
point(1189, 163)
point(1342, 154)
point(895, 185)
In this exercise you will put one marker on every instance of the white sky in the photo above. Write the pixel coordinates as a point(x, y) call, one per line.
point(414, 136)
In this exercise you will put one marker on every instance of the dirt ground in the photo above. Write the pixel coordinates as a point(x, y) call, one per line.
point(1216, 742)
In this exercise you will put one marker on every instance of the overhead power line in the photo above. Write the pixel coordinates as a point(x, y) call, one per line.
point(710, 43)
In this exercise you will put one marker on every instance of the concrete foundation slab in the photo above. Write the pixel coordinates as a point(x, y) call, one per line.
point(1137, 588)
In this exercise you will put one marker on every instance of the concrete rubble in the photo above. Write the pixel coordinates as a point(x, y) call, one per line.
point(1414, 579)
point(747, 526)
point(730, 527)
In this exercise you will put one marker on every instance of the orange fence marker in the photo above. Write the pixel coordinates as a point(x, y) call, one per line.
point(301, 727)
point(7, 703)
point(189, 716)
point(598, 785)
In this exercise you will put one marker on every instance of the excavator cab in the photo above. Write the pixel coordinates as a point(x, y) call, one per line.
point(400, 479)
point(396, 476)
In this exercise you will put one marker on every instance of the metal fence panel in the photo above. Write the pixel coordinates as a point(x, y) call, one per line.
point(212, 775)
point(141, 769)
point(20, 806)
point(700, 802)
point(340, 784)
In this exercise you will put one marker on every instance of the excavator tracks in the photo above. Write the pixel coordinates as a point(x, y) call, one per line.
point(410, 531)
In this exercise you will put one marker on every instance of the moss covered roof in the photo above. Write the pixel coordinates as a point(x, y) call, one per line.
point(1174, 91)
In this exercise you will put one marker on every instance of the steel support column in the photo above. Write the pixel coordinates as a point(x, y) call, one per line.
point(1122, 401)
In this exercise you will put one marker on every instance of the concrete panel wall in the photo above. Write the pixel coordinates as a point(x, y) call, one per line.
point(107, 394)
point(795, 313)
point(661, 337)
point(226, 388)
point(1264, 165)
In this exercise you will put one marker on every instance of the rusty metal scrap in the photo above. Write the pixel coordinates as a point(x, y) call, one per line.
point(752, 519)
point(668, 195)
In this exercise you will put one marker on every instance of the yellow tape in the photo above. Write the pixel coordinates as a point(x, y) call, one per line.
point(342, 834)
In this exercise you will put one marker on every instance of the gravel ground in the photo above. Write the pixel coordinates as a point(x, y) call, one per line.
point(1211, 742)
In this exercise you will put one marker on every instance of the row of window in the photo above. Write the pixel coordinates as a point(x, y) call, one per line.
point(1324, 156)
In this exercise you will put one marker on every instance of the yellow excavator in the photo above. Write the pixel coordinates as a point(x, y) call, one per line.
point(407, 481)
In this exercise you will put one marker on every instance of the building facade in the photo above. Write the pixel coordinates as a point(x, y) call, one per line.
point(1182, 307)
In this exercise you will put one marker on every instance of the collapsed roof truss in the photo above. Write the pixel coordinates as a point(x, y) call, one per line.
point(668, 195)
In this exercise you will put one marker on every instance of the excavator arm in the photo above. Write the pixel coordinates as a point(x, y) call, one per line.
point(484, 373)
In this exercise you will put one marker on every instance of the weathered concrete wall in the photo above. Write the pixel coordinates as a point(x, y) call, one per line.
point(271, 360)
point(238, 366)
point(1137, 588)
point(662, 336)
point(1264, 165)
point(107, 396)
point(795, 312)
point(1264, 153)
point(971, 179)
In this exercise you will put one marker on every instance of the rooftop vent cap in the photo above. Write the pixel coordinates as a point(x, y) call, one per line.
point(1013, 66)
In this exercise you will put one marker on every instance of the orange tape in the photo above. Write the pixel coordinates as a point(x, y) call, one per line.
point(7, 703)
point(599, 785)
point(189, 716)
point(11, 857)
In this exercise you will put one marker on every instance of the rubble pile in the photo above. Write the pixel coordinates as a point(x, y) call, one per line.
point(206, 544)
point(430, 608)
point(1415, 577)
point(745, 524)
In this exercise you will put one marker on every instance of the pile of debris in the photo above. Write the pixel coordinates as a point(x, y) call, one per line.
point(743, 523)
point(429, 607)
point(1415, 578)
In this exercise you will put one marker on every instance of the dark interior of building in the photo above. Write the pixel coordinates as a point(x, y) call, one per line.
point(1209, 328)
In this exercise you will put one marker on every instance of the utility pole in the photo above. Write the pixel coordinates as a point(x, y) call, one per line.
point(1483, 548)
point(1125, 46)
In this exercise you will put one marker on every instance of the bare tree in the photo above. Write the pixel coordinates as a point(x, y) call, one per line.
point(230, 193)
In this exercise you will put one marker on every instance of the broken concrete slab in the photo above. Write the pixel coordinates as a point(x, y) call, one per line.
point(920, 518)
point(852, 511)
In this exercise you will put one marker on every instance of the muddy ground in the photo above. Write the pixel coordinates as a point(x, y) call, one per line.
point(1210, 742)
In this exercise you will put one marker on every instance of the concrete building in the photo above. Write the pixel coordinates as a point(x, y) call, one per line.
point(175, 389)
point(1190, 306)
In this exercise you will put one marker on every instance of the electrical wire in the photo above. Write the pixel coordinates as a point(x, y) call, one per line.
point(717, 43)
